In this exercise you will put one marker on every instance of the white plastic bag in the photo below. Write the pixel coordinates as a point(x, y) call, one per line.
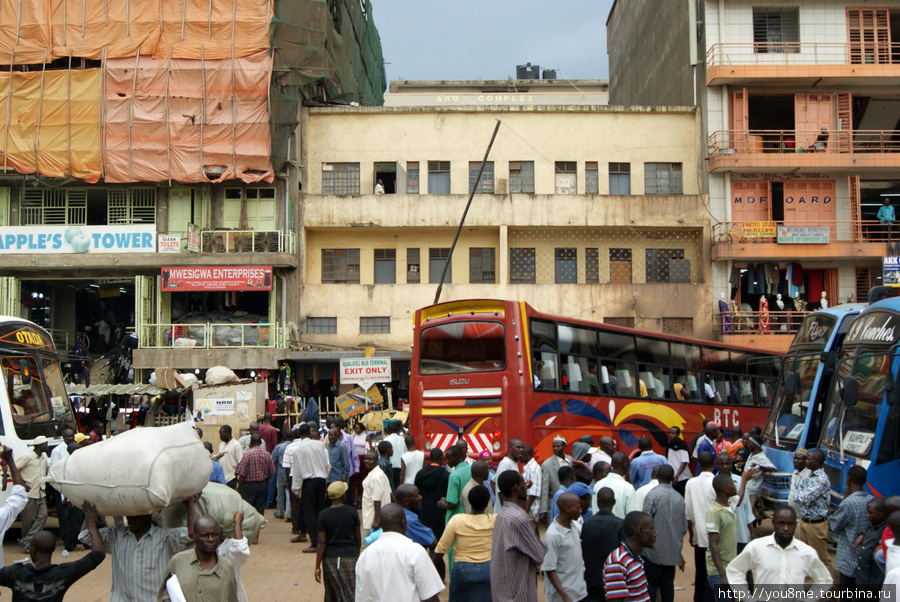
point(138, 472)
point(220, 375)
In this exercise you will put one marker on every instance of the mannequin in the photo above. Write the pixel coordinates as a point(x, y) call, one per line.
point(824, 300)
point(763, 315)
point(779, 305)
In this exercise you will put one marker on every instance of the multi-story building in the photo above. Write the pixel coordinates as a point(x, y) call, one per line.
point(583, 210)
point(148, 173)
point(799, 119)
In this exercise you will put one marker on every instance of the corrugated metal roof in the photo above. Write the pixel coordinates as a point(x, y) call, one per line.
point(98, 389)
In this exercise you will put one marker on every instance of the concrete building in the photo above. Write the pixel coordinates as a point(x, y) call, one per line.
point(148, 176)
point(589, 211)
point(799, 112)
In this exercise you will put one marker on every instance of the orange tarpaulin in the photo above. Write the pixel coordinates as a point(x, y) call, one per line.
point(83, 28)
point(175, 118)
point(52, 126)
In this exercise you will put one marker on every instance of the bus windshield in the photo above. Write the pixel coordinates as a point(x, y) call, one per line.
point(851, 430)
point(788, 415)
point(37, 395)
point(472, 346)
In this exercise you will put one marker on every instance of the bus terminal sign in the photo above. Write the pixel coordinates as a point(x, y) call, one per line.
point(365, 371)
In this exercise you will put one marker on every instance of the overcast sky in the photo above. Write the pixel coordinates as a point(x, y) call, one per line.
point(486, 39)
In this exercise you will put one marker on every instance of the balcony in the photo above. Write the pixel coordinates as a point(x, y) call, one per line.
point(848, 239)
point(781, 151)
point(246, 241)
point(211, 336)
point(805, 63)
point(744, 328)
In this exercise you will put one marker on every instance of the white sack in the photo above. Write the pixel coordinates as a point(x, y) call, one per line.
point(219, 502)
point(220, 375)
point(138, 472)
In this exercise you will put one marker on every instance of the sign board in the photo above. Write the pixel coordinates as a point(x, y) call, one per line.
point(169, 243)
point(365, 371)
point(106, 291)
point(857, 442)
point(193, 239)
point(220, 278)
point(78, 239)
point(219, 406)
point(759, 229)
point(802, 235)
point(891, 268)
point(357, 400)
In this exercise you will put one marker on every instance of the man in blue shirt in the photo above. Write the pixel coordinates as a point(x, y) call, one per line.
point(218, 473)
point(410, 500)
point(642, 466)
point(338, 457)
point(705, 443)
point(886, 217)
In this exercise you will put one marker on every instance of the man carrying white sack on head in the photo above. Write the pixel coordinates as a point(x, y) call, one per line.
point(140, 553)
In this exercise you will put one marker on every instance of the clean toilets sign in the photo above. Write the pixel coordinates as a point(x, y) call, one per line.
point(78, 239)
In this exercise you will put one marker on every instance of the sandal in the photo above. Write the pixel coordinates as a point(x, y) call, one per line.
point(299, 539)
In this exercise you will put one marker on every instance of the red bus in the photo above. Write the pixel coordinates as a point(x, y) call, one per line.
point(490, 370)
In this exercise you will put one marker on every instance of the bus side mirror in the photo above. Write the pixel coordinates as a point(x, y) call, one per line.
point(849, 391)
point(791, 378)
point(25, 372)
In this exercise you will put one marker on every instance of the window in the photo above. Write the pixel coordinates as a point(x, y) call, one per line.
point(413, 272)
point(566, 177)
point(385, 266)
point(340, 266)
point(620, 266)
point(869, 32)
point(566, 266)
point(620, 178)
point(412, 177)
point(521, 177)
point(132, 206)
point(379, 325)
point(437, 258)
point(592, 265)
point(521, 266)
point(866, 278)
point(481, 266)
point(439, 177)
point(58, 207)
point(776, 30)
point(662, 178)
point(486, 183)
point(386, 173)
point(626, 322)
point(667, 266)
point(340, 178)
point(591, 178)
point(321, 325)
point(680, 326)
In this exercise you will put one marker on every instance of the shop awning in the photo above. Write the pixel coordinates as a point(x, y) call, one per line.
point(98, 389)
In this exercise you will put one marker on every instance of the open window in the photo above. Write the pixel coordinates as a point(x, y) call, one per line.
point(386, 173)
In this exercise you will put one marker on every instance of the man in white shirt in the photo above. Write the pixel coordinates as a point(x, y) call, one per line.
point(17, 497)
point(779, 559)
point(411, 462)
point(532, 475)
point(69, 518)
point(230, 453)
point(509, 462)
point(309, 472)
point(376, 494)
point(641, 493)
point(398, 443)
point(33, 466)
point(606, 447)
point(800, 471)
point(298, 527)
point(698, 495)
point(394, 567)
point(626, 498)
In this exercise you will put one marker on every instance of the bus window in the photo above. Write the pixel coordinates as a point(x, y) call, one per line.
point(889, 450)
point(462, 347)
point(545, 370)
point(577, 340)
point(543, 335)
point(652, 351)
point(616, 346)
point(655, 382)
point(745, 390)
point(23, 384)
point(685, 356)
point(622, 379)
point(55, 387)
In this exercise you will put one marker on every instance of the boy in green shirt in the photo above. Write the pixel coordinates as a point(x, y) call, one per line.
point(721, 525)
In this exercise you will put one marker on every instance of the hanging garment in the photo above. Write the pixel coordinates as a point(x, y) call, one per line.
point(771, 276)
point(725, 316)
point(763, 316)
point(816, 284)
point(752, 284)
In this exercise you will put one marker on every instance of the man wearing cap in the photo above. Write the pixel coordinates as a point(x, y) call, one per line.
point(82, 440)
point(761, 461)
point(338, 545)
point(33, 467)
point(550, 475)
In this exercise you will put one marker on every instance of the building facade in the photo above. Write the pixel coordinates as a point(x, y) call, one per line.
point(588, 211)
point(799, 115)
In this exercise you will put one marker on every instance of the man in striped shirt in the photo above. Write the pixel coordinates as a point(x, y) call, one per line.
point(666, 507)
point(623, 572)
point(516, 552)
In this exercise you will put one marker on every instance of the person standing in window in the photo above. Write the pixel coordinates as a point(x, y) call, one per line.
point(379, 187)
point(886, 216)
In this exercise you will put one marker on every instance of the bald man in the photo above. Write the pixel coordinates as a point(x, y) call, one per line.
point(195, 567)
point(394, 567)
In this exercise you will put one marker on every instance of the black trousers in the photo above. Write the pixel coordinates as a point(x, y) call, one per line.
point(660, 578)
point(679, 486)
point(254, 493)
point(298, 523)
point(314, 499)
point(702, 590)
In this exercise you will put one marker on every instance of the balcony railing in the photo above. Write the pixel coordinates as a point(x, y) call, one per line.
point(242, 241)
point(802, 53)
point(729, 142)
point(754, 322)
point(872, 231)
point(212, 336)
point(64, 340)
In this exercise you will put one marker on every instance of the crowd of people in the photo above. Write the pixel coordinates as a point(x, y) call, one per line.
point(388, 521)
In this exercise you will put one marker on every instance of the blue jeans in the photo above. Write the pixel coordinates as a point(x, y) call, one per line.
point(270, 491)
point(470, 581)
point(282, 500)
point(720, 592)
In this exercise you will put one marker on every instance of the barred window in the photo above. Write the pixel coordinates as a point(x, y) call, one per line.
point(776, 30)
point(321, 325)
point(592, 265)
point(620, 178)
point(566, 265)
point(412, 177)
point(667, 266)
point(521, 266)
point(376, 325)
point(486, 183)
point(682, 326)
point(481, 266)
point(591, 178)
point(131, 206)
point(340, 178)
point(340, 266)
point(56, 207)
point(413, 267)
point(521, 177)
point(662, 178)
point(620, 266)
